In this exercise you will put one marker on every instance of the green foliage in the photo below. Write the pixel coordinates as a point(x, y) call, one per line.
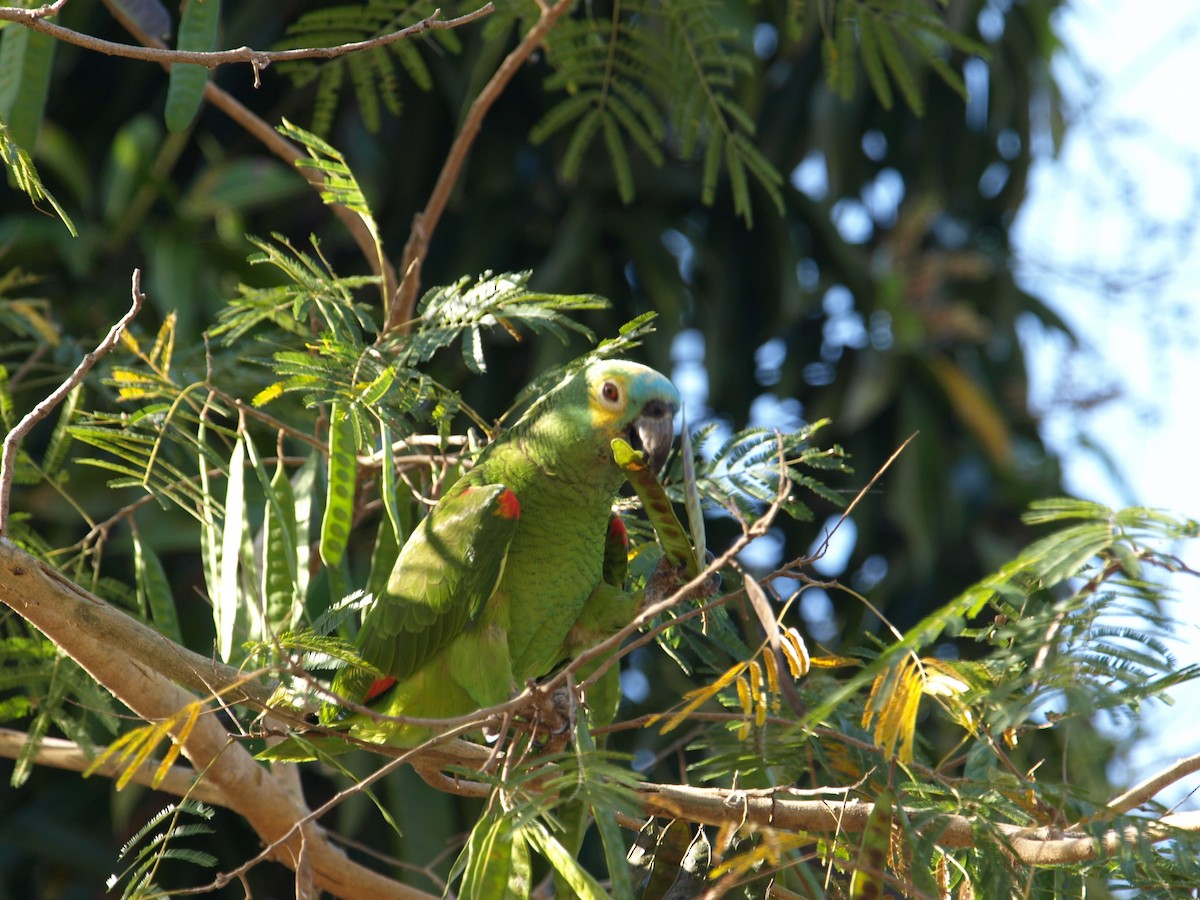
point(758, 467)
point(286, 460)
point(26, 58)
point(650, 69)
point(198, 26)
point(372, 73)
point(884, 30)
point(26, 178)
point(462, 310)
point(145, 852)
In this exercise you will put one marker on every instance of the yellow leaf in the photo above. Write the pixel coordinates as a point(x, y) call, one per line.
point(700, 696)
point(795, 652)
point(164, 345)
point(743, 689)
point(834, 662)
point(975, 408)
point(267, 394)
point(35, 320)
point(771, 664)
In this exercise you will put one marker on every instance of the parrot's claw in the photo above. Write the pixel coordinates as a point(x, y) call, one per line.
point(551, 717)
point(666, 579)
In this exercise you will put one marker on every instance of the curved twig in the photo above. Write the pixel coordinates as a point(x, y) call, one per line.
point(13, 440)
point(400, 311)
point(36, 20)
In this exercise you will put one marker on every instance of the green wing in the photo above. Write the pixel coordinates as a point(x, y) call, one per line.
point(446, 572)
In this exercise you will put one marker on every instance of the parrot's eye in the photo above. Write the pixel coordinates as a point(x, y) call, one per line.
point(610, 393)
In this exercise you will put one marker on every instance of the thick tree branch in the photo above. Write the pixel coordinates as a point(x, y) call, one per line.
point(88, 630)
point(37, 20)
point(400, 311)
point(775, 809)
point(74, 621)
point(55, 753)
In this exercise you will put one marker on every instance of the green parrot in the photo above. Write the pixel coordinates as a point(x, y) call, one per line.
point(519, 566)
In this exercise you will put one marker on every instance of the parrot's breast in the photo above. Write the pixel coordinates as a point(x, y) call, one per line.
point(554, 563)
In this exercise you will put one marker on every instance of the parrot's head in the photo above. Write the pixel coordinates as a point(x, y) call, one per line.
point(634, 402)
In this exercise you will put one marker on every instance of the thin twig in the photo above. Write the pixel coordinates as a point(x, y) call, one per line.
point(400, 311)
point(35, 20)
point(13, 440)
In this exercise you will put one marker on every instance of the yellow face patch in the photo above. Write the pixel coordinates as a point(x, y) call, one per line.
point(608, 401)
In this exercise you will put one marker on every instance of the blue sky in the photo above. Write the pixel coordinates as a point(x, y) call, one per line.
point(1108, 236)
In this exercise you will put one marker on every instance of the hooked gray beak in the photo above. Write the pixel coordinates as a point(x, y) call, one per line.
point(654, 432)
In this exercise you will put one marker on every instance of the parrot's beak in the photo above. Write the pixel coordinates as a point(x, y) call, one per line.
point(654, 431)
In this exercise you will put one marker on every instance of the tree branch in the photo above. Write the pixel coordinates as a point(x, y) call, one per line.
point(400, 312)
point(1146, 791)
point(59, 754)
point(36, 20)
point(87, 629)
point(11, 443)
point(776, 809)
point(276, 143)
point(70, 617)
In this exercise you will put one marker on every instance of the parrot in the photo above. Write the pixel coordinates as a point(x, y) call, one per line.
point(520, 564)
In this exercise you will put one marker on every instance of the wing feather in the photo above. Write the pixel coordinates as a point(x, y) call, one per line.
point(449, 568)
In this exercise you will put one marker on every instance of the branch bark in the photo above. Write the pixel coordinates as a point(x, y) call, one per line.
point(36, 20)
point(88, 629)
point(400, 312)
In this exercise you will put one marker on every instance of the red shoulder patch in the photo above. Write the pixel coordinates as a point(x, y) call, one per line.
point(508, 506)
point(617, 531)
point(379, 686)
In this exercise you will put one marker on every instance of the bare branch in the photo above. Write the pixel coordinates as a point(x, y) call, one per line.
point(59, 754)
point(400, 312)
point(13, 440)
point(35, 20)
point(262, 131)
point(1147, 790)
point(781, 809)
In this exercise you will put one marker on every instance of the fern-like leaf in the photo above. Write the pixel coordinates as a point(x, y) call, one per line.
point(462, 310)
point(649, 74)
point(371, 72)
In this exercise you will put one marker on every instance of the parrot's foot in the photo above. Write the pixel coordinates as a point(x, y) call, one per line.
point(666, 579)
point(550, 717)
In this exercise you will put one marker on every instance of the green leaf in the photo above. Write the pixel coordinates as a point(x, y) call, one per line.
point(25, 175)
point(340, 486)
point(620, 160)
point(584, 885)
point(873, 63)
point(185, 88)
point(901, 71)
point(227, 607)
point(26, 58)
point(154, 590)
point(490, 854)
point(282, 600)
point(387, 468)
point(304, 484)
